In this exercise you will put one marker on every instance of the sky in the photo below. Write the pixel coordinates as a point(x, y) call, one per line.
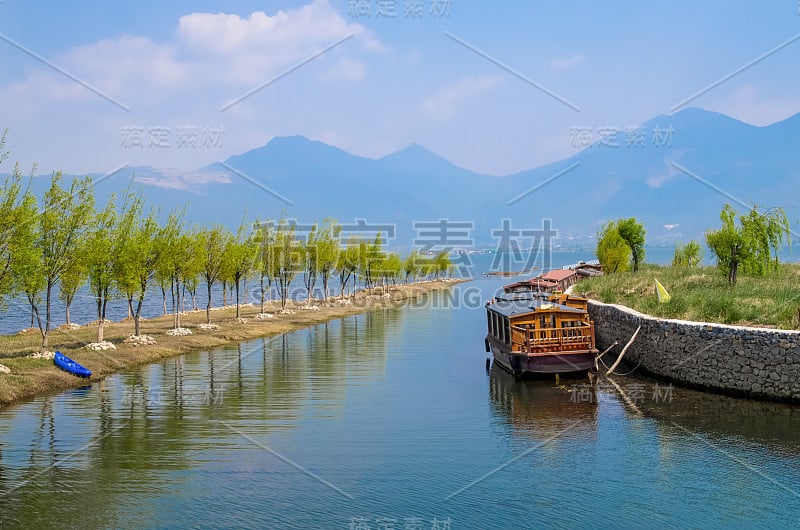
point(493, 87)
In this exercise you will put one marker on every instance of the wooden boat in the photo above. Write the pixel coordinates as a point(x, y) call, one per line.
point(532, 332)
point(68, 365)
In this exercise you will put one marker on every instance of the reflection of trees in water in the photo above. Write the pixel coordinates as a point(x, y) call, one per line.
point(540, 409)
point(152, 418)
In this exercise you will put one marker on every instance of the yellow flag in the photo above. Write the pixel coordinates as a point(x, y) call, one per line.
point(663, 295)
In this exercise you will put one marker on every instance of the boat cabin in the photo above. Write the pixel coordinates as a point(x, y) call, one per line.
point(540, 323)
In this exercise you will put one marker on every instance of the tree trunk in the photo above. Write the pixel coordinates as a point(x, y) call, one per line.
point(236, 283)
point(224, 293)
point(138, 315)
point(262, 293)
point(164, 299)
point(66, 312)
point(208, 304)
point(100, 331)
point(130, 306)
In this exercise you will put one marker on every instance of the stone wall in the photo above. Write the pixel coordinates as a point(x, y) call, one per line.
point(756, 362)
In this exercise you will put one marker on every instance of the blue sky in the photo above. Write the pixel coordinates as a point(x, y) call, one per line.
point(397, 80)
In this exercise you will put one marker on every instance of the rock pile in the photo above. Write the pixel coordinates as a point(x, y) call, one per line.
point(140, 340)
point(100, 346)
point(179, 332)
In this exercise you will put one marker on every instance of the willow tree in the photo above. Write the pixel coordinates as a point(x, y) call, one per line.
point(264, 257)
point(752, 244)
point(13, 214)
point(688, 255)
point(240, 256)
point(100, 260)
point(613, 251)
point(327, 250)
point(144, 252)
point(310, 262)
point(287, 259)
point(62, 224)
point(213, 242)
point(632, 232)
point(411, 265)
point(347, 264)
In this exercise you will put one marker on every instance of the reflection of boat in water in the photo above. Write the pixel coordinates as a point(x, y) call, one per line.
point(541, 408)
point(532, 332)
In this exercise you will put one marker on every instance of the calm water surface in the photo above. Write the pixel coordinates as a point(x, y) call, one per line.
point(390, 420)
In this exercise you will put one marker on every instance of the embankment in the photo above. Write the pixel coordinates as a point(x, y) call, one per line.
point(747, 361)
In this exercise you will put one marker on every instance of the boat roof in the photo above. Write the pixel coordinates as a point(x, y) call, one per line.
point(515, 304)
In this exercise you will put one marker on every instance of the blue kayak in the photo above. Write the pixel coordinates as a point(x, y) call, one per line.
point(68, 365)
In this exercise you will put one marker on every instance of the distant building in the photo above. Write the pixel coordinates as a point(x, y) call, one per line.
point(562, 278)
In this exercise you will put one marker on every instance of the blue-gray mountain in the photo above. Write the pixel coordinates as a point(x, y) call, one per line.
point(725, 161)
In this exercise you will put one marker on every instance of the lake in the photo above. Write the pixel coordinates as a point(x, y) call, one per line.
point(390, 420)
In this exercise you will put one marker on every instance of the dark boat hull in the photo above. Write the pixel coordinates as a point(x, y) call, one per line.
point(556, 363)
point(70, 366)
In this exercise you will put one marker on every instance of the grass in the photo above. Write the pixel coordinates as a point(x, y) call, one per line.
point(702, 294)
point(32, 377)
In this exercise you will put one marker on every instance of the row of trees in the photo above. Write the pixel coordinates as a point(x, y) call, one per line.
point(56, 245)
point(749, 242)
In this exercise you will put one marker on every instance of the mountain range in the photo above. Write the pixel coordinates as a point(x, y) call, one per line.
point(674, 173)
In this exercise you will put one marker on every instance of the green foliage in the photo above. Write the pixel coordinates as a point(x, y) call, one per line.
point(240, 258)
point(287, 257)
point(633, 233)
point(702, 294)
point(613, 251)
point(752, 243)
point(411, 265)
point(327, 249)
point(688, 255)
point(213, 243)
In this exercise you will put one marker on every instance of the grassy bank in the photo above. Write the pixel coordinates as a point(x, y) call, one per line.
point(702, 294)
point(30, 377)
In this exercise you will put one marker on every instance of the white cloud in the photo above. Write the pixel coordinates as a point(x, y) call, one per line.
point(748, 105)
point(443, 104)
point(566, 62)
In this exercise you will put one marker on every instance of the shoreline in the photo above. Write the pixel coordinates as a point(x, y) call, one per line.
point(32, 377)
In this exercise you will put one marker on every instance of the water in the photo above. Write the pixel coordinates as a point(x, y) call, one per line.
point(384, 417)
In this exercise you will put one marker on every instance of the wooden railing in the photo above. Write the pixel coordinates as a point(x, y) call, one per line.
point(552, 339)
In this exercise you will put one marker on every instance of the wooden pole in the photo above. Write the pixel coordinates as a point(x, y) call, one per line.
point(622, 353)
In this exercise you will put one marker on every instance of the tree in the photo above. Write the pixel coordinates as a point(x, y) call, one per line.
point(613, 251)
point(144, 253)
point(213, 242)
point(347, 263)
point(633, 233)
point(752, 244)
point(62, 224)
point(240, 256)
point(391, 268)
point(72, 279)
point(688, 255)
point(411, 265)
point(100, 260)
point(287, 258)
point(327, 250)
point(14, 212)
point(125, 259)
point(264, 257)
point(442, 263)
point(311, 261)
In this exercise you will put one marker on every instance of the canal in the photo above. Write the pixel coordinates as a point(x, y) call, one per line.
point(390, 420)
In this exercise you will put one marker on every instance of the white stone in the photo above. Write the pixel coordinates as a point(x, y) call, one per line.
point(42, 355)
point(140, 340)
point(179, 332)
point(208, 327)
point(286, 312)
point(309, 307)
point(5, 369)
point(100, 346)
point(263, 316)
point(241, 321)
